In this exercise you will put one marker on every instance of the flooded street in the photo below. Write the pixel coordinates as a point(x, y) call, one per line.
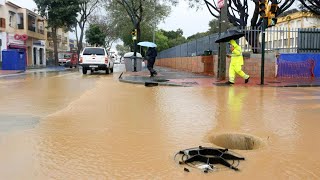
point(64, 125)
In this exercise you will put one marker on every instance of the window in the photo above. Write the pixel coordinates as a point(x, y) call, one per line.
point(96, 51)
point(12, 19)
point(31, 23)
point(20, 21)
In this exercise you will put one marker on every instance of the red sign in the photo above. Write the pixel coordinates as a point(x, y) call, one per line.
point(220, 4)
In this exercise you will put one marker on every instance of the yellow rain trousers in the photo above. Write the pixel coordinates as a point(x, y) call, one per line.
point(236, 63)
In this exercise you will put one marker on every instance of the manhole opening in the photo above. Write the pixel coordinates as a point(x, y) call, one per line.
point(161, 80)
point(150, 84)
point(237, 141)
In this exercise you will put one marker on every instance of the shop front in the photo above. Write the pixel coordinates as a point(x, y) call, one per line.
point(39, 53)
point(18, 42)
point(3, 43)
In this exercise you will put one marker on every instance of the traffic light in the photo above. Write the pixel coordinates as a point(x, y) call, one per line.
point(263, 4)
point(272, 19)
point(134, 34)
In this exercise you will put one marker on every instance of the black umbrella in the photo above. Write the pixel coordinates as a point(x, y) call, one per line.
point(229, 35)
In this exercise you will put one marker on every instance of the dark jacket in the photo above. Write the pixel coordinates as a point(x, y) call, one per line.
point(152, 53)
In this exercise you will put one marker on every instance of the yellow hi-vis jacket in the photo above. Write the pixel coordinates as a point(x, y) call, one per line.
point(236, 56)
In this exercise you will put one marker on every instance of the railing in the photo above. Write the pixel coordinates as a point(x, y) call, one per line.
point(192, 48)
point(278, 40)
point(31, 28)
point(20, 26)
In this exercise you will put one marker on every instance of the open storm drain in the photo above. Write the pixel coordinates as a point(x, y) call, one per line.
point(160, 80)
point(237, 141)
point(208, 159)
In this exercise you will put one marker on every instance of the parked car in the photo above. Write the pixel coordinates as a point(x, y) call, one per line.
point(72, 62)
point(64, 57)
point(95, 59)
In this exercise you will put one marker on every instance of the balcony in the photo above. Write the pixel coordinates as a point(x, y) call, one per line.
point(20, 26)
point(31, 28)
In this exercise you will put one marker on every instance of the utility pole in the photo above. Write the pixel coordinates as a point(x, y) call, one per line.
point(134, 38)
point(263, 4)
point(154, 23)
point(223, 19)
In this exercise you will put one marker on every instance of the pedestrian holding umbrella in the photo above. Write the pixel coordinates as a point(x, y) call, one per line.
point(236, 62)
point(151, 56)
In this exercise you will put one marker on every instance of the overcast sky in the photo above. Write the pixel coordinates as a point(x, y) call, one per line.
point(189, 20)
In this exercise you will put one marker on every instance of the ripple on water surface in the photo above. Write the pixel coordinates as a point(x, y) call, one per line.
point(10, 123)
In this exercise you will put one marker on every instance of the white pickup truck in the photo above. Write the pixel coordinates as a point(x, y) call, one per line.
point(95, 59)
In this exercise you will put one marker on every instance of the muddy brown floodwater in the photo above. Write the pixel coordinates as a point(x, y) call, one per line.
point(94, 127)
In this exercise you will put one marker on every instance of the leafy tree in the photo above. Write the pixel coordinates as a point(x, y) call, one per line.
point(59, 14)
point(95, 35)
point(197, 36)
point(214, 26)
point(174, 38)
point(173, 34)
point(106, 27)
point(238, 14)
point(136, 14)
point(162, 41)
point(87, 7)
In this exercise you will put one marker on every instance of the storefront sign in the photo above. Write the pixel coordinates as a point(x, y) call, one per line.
point(13, 40)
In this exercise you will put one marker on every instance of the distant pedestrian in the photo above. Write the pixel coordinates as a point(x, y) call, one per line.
point(151, 57)
point(236, 63)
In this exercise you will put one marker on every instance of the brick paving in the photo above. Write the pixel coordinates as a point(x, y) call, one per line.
point(180, 78)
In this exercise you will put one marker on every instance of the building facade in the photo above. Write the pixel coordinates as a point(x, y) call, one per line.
point(63, 42)
point(23, 30)
point(284, 37)
point(286, 32)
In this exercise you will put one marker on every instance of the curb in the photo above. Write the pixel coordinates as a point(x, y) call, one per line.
point(158, 83)
point(299, 85)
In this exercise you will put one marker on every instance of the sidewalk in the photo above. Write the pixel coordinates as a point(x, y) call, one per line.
point(30, 70)
point(172, 77)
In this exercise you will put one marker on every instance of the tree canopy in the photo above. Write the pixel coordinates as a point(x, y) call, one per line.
point(95, 35)
point(86, 8)
point(59, 14)
point(127, 15)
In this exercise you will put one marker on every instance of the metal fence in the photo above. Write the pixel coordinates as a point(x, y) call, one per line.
point(278, 40)
point(192, 48)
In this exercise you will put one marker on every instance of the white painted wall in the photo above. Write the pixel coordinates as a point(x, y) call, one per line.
point(3, 37)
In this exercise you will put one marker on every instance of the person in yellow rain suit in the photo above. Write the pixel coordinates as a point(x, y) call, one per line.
point(236, 63)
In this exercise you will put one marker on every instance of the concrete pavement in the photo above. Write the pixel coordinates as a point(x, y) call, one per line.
point(5, 73)
point(172, 77)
